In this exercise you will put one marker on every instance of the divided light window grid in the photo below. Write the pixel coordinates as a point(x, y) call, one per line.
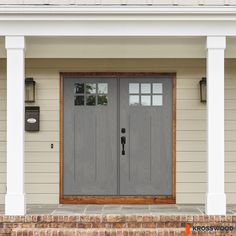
point(90, 94)
point(145, 94)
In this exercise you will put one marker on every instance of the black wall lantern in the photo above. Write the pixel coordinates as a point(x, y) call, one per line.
point(203, 90)
point(29, 90)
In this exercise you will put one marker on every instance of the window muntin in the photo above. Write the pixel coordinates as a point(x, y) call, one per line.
point(145, 94)
point(91, 94)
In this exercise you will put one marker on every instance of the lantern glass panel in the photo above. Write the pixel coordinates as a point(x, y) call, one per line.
point(204, 93)
point(203, 90)
point(30, 91)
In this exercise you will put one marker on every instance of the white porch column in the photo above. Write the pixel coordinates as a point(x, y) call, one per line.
point(215, 197)
point(15, 197)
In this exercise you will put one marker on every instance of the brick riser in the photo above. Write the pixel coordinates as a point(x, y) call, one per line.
point(97, 232)
point(108, 232)
point(101, 225)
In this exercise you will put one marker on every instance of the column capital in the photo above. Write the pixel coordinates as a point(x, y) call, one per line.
point(15, 42)
point(216, 42)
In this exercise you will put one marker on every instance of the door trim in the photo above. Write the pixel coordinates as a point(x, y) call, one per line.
point(119, 199)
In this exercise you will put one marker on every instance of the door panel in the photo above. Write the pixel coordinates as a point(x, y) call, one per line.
point(90, 136)
point(93, 117)
point(146, 114)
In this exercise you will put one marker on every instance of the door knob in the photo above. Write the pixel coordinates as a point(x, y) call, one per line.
point(123, 142)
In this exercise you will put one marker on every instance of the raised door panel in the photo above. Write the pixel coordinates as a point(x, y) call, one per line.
point(146, 114)
point(90, 136)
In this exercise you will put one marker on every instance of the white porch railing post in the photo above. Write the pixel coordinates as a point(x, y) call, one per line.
point(15, 196)
point(215, 197)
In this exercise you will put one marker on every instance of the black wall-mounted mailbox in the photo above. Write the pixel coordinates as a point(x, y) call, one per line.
point(32, 114)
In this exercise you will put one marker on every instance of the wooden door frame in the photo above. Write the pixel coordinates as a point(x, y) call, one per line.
point(119, 199)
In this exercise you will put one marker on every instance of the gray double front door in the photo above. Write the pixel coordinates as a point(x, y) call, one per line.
point(117, 136)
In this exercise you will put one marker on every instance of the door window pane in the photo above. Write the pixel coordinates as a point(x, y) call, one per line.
point(102, 88)
point(146, 100)
point(133, 100)
point(102, 100)
point(90, 88)
point(79, 88)
point(157, 100)
point(91, 100)
point(157, 88)
point(133, 88)
point(79, 100)
point(145, 88)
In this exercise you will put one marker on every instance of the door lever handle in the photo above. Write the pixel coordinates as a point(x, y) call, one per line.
point(123, 142)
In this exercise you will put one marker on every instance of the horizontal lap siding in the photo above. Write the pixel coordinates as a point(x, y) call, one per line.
point(42, 162)
point(191, 137)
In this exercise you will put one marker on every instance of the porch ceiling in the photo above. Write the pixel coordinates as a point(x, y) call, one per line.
point(118, 47)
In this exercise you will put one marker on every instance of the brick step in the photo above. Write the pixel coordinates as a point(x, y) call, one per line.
point(99, 232)
point(110, 224)
point(112, 221)
point(111, 218)
point(4, 232)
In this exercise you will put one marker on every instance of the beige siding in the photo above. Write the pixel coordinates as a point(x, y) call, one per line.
point(42, 162)
point(117, 2)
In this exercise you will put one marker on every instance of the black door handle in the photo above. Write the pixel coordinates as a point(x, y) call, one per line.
point(123, 142)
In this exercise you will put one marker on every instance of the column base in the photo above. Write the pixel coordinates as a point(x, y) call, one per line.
point(15, 204)
point(215, 204)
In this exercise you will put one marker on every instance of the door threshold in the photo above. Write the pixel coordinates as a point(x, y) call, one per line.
point(117, 200)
